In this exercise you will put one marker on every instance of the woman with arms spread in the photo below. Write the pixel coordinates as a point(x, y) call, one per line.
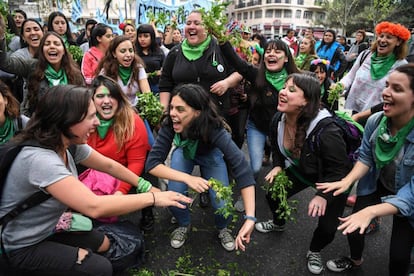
point(197, 131)
point(383, 167)
point(65, 116)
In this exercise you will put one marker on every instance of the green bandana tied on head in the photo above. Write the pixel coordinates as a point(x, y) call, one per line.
point(277, 79)
point(55, 78)
point(387, 146)
point(104, 126)
point(6, 131)
point(194, 52)
point(189, 146)
point(380, 66)
point(124, 73)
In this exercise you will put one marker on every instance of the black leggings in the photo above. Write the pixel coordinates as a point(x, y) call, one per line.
point(58, 255)
point(402, 242)
point(327, 224)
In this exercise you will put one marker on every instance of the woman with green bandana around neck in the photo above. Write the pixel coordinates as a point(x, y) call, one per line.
point(58, 23)
point(306, 53)
point(384, 166)
point(366, 80)
point(122, 64)
point(198, 59)
point(53, 66)
point(121, 135)
point(266, 81)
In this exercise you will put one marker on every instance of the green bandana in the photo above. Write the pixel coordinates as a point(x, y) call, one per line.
point(300, 59)
point(6, 131)
point(322, 90)
point(387, 146)
point(124, 74)
point(104, 127)
point(380, 66)
point(65, 40)
point(55, 78)
point(194, 52)
point(189, 146)
point(277, 79)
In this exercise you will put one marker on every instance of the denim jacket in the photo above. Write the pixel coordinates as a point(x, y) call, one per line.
point(404, 200)
point(404, 170)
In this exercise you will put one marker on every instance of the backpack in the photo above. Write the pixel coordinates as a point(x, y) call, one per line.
point(352, 133)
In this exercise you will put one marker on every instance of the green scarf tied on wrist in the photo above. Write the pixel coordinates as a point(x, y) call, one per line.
point(387, 146)
point(277, 79)
point(104, 127)
point(380, 66)
point(124, 73)
point(194, 52)
point(55, 78)
point(189, 146)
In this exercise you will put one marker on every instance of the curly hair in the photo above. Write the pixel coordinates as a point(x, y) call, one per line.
point(68, 65)
point(110, 65)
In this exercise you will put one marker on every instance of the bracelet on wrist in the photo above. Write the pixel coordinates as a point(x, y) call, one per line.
point(153, 199)
point(143, 186)
point(254, 219)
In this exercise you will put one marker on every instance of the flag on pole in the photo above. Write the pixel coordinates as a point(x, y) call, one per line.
point(59, 6)
point(76, 10)
point(121, 16)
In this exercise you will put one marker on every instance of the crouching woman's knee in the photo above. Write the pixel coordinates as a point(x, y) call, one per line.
point(92, 264)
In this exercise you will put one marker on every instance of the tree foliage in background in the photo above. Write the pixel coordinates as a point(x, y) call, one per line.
point(351, 15)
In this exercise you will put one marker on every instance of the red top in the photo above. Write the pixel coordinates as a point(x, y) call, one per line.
point(132, 155)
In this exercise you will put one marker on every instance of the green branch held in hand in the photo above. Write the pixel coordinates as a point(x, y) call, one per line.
point(225, 194)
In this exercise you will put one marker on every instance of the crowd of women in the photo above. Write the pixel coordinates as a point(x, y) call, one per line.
point(284, 86)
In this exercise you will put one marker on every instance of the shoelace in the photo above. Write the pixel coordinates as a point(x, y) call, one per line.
point(268, 225)
point(179, 234)
point(226, 237)
point(315, 259)
point(343, 263)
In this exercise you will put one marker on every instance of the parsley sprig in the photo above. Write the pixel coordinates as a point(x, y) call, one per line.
point(225, 194)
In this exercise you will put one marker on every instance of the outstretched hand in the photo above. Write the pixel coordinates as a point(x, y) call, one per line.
point(338, 187)
point(170, 198)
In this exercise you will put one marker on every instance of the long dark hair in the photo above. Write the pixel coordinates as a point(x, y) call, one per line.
point(23, 43)
point(323, 43)
point(312, 93)
point(68, 31)
point(407, 69)
point(197, 97)
point(154, 47)
point(57, 111)
point(290, 65)
point(73, 73)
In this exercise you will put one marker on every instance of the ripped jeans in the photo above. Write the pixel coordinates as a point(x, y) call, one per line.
point(58, 255)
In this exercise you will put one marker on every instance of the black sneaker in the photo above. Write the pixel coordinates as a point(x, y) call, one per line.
point(204, 200)
point(340, 264)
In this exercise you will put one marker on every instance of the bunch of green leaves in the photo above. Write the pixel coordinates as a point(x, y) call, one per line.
point(149, 108)
point(215, 20)
point(278, 191)
point(224, 193)
point(76, 53)
point(4, 8)
point(159, 20)
point(334, 93)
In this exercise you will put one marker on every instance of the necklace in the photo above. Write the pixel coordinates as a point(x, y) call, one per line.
point(290, 133)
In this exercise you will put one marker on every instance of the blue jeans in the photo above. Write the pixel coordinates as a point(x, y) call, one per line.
point(211, 165)
point(256, 140)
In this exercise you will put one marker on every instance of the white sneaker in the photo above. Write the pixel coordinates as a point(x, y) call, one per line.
point(227, 240)
point(268, 226)
point(179, 236)
point(315, 264)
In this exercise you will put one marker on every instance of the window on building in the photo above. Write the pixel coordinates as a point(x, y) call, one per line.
point(245, 15)
point(278, 1)
point(287, 14)
point(300, 2)
point(318, 2)
point(278, 13)
point(308, 15)
point(269, 13)
point(298, 14)
point(321, 16)
point(258, 14)
point(287, 1)
point(239, 16)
